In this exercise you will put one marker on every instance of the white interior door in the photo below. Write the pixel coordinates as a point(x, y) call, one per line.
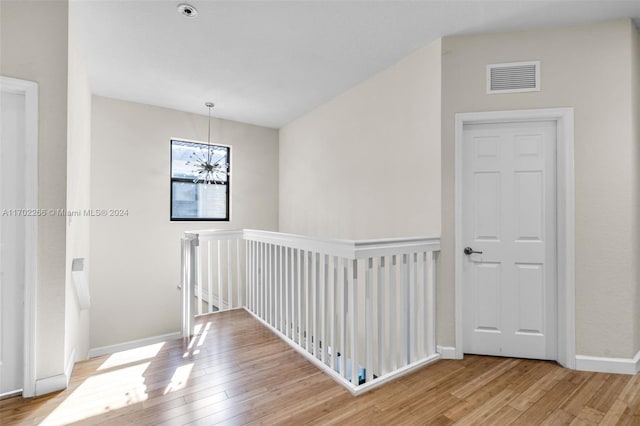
point(509, 217)
point(12, 241)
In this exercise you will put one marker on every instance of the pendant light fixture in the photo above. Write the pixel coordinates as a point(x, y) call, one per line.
point(206, 167)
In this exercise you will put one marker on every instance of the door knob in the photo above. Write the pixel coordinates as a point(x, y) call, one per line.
point(469, 250)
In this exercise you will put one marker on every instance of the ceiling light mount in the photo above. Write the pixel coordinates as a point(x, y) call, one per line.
point(187, 10)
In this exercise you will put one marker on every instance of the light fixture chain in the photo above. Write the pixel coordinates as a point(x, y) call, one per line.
point(209, 134)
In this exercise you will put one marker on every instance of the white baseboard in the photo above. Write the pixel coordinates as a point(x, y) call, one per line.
point(446, 352)
point(110, 349)
point(51, 384)
point(608, 365)
point(59, 382)
point(11, 393)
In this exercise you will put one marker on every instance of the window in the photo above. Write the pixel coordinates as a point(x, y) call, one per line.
point(192, 198)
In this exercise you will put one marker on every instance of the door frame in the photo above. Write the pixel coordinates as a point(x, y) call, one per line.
point(29, 90)
point(565, 218)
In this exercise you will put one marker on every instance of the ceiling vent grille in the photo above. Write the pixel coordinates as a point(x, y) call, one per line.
point(513, 77)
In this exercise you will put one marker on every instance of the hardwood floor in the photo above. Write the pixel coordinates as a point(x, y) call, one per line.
point(237, 372)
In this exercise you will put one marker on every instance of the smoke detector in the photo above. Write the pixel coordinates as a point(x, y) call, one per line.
point(187, 10)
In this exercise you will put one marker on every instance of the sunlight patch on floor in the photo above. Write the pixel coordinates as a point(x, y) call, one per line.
point(203, 337)
point(179, 378)
point(196, 331)
point(100, 394)
point(131, 356)
point(197, 337)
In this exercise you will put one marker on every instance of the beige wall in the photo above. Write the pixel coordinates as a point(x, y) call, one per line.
point(78, 193)
point(589, 68)
point(367, 163)
point(135, 260)
point(33, 46)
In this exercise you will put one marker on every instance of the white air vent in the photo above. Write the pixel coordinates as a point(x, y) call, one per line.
point(513, 77)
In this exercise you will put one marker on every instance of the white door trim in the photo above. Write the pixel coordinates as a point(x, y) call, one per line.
point(565, 218)
point(30, 91)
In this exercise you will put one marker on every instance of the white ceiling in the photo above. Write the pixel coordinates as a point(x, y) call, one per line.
point(269, 62)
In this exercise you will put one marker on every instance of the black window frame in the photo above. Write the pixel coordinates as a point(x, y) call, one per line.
point(227, 217)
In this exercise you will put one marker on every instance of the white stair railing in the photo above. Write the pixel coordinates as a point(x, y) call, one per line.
point(363, 311)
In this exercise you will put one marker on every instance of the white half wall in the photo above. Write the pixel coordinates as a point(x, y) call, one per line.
point(367, 163)
point(135, 259)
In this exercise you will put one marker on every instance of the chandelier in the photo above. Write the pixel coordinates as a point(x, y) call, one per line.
point(206, 168)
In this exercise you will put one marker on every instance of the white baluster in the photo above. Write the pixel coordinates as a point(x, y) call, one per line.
point(299, 291)
point(282, 278)
point(431, 302)
point(266, 289)
point(274, 286)
point(368, 320)
point(287, 293)
point(219, 265)
point(192, 284)
point(270, 283)
point(421, 321)
point(239, 278)
point(314, 303)
point(254, 274)
point(271, 291)
point(229, 276)
point(333, 321)
point(249, 271)
point(353, 305)
point(324, 280)
point(381, 318)
point(255, 260)
point(261, 280)
point(210, 274)
point(293, 267)
point(343, 274)
point(393, 314)
point(307, 279)
point(259, 310)
point(404, 312)
point(198, 280)
point(281, 290)
point(411, 316)
point(184, 287)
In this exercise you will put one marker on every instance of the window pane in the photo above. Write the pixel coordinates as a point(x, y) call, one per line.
point(198, 201)
point(192, 198)
point(186, 155)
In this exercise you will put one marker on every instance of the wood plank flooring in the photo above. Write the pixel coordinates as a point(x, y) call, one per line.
point(237, 372)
